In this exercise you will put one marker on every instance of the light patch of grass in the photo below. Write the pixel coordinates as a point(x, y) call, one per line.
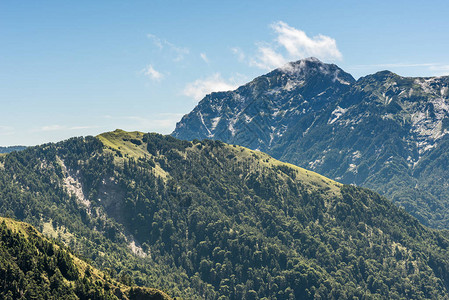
point(120, 141)
point(60, 233)
point(158, 171)
point(17, 226)
point(311, 179)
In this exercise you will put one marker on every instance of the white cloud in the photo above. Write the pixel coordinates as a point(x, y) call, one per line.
point(267, 58)
point(156, 40)
point(299, 45)
point(204, 57)
point(176, 53)
point(239, 53)
point(201, 87)
point(290, 44)
point(82, 127)
point(152, 73)
point(52, 128)
point(442, 70)
point(180, 53)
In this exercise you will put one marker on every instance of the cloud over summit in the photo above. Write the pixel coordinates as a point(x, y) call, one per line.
point(292, 44)
point(201, 87)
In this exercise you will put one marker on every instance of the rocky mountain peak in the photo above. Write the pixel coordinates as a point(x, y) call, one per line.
point(381, 77)
point(380, 131)
point(311, 67)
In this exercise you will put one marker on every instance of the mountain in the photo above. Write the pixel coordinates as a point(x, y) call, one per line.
point(11, 149)
point(34, 267)
point(261, 111)
point(383, 131)
point(208, 220)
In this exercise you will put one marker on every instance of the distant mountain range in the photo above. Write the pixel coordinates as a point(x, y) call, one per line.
point(207, 220)
point(11, 149)
point(382, 131)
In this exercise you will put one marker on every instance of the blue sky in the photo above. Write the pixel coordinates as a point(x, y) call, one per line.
point(72, 68)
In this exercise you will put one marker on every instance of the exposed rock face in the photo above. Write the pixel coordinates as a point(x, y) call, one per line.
point(261, 111)
point(383, 131)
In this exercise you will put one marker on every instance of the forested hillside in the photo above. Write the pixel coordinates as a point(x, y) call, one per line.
point(34, 267)
point(208, 220)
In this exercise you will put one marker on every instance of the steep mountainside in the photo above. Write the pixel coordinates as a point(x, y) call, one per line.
point(34, 267)
point(261, 111)
point(383, 131)
point(209, 220)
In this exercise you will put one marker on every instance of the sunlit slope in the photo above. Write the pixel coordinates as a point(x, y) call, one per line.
point(205, 219)
point(35, 267)
point(134, 145)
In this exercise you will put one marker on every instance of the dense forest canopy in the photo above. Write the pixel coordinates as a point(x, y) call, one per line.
point(34, 267)
point(208, 220)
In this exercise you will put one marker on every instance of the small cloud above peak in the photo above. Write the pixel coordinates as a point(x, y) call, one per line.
point(151, 73)
point(175, 52)
point(307, 60)
point(201, 87)
point(299, 45)
point(311, 58)
point(267, 58)
point(292, 44)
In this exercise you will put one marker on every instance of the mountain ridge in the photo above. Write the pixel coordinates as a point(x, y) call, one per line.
point(9, 149)
point(347, 132)
point(243, 97)
point(205, 220)
point(36, 267)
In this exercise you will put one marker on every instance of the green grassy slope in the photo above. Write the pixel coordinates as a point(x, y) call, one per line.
point(34, 267)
